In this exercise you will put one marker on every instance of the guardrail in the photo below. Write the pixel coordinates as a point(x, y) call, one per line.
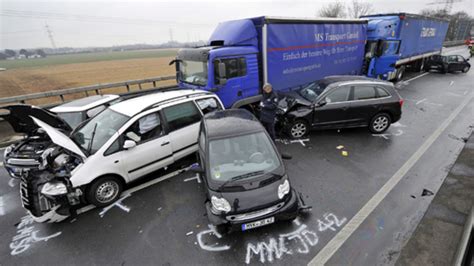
point(95, 89)
point(453, 43)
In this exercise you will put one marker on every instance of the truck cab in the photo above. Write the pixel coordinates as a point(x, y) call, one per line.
point(228, 66)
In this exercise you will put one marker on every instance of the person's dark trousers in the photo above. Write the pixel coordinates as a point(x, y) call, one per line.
point(270, 127)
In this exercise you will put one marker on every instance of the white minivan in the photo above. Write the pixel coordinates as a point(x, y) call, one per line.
point(124, 142)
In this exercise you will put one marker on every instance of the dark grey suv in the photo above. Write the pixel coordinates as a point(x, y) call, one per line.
point(339, 102)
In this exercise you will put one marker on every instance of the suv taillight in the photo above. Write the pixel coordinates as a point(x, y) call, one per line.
point(401, 102)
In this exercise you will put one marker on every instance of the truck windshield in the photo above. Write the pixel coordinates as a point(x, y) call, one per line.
point(193, 72)
point(231, 158)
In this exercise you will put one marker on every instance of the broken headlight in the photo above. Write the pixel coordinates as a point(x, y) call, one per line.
point(219, 205)
point(7, 151)
point(54, 189)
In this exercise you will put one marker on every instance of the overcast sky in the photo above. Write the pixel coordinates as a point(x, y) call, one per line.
point(80, 23)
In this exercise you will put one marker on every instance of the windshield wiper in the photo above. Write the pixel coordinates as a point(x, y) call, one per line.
point(92, 139)
point(239, 177)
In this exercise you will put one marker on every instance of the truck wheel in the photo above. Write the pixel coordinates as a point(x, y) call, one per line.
point(104, 191)
point(400, 73)
point(465, 69)
point(298, 129)
point(379, 123)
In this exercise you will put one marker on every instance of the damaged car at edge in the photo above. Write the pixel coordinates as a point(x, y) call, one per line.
point(121, 144)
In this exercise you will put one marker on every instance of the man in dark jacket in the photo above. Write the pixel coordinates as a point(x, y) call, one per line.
point(269, 106)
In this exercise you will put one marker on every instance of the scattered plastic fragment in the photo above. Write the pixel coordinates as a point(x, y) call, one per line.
point(189, 233)
point(345, 153)
point(73, 220)
point(413, 196)
point(159, 209)
point(427, 192)
point(340, 147)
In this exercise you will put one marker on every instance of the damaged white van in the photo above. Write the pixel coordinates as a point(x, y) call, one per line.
point(124, 142)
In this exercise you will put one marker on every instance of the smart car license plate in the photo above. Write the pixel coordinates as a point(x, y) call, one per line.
point(259, 223)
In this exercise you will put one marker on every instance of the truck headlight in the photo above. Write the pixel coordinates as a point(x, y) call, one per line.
point(54, 189)
point(7, 151)
point(283, 189)
point(219, 205)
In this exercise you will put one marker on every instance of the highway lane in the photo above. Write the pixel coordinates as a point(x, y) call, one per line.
point(166, 223)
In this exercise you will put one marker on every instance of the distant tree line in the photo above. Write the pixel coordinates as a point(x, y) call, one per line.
point(460, 23)
point(8, 53)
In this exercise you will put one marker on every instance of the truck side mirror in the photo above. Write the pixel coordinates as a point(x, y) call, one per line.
point(222, 70)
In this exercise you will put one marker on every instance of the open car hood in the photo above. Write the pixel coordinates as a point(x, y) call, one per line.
point(59, 138)
point(20, 115)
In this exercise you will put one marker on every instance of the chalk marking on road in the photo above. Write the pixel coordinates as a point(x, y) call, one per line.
point(204, 246)
point(343, 235)
point(420, 101)
point(387, 135)
point(197, 178)
point(140, 187)
point(1, 164)
point(454, 94)
point(417, 77)
point(11, 182)
point(398, 124)
point(451, 83)
point(465, 93)
point(117, 203)
point(2, 208)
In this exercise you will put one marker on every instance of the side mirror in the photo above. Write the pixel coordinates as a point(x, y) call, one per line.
point(321, 103)
point(222, 70)
point(286, 156)
point(196, 168)
point(129, 144)
point(467, 59)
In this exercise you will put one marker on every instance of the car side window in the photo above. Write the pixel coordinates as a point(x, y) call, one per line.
point(382, 92)
point(460, 58)
point(452, 58)
point(340, 94)
point(234, 67)
point(208, 105)
point(364, 92)
point(181, 115)
point(115, 147)
point(145, 129)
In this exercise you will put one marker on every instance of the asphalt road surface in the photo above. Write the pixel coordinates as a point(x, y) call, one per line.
point(365, 204)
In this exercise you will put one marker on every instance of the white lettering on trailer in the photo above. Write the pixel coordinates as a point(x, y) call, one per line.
point(428, 32)
point(27, 236)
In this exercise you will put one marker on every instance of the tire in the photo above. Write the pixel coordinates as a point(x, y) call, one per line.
point(298, 129)
point(465, 69)
point(400, 73)
point(380, 123)
point(422, 65)
point(104, 191)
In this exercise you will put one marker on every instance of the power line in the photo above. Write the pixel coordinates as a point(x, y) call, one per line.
point(90, 18)
point(50, 36)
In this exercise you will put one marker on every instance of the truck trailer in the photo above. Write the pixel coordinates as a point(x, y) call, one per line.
point(242, 55)
point(400, 40)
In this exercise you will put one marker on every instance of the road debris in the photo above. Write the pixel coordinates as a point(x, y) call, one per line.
point(427, 192)
point(345, 153)
point(340, 147)
point(189, 233)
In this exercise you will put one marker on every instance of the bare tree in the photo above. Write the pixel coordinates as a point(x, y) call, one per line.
point(358, 8)
point(332, 10)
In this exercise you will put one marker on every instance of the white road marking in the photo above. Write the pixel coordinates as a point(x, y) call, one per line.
point(420, 101)
point(193, 178)
point(140, 187)
point(11, 182)
point(417, 77)
point(2, 209)
point(341, 237)
point(397, 124)
point(451, 83)
point(118, 203)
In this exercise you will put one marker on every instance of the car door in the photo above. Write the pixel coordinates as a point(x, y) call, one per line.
point(364, 104)
point(461, 63)
point(452, 63)
point(153, 146)
point(235, 73)
point(332, 108)
point(182, 121)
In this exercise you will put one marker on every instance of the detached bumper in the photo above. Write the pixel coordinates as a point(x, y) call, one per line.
point(287, 211)
point(50, 217)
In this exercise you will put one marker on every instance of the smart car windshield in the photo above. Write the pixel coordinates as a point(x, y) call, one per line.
point(194, 72)
point(239, 157)
point(311, 91)
point(92, 135)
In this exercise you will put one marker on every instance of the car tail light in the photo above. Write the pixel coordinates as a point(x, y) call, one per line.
point(401, 102)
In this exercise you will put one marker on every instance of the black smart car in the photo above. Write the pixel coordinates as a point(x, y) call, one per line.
point(339, 102)
point(449, 63)
point(245, 179)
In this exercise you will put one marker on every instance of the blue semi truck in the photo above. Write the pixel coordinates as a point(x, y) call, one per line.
point(399, 41)
point(242, 55)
